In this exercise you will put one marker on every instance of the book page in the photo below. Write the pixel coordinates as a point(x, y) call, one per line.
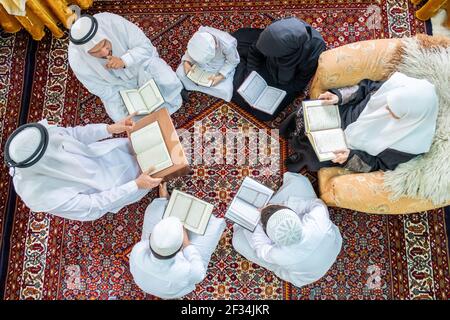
point(244, 212)
point(195, 214)
point(323, 117)
point(269, 100)
point(252, 88)
point(151, 95)
point(329, 140)
point(200, 76)
point(255, 185)
point(181, 206)
point(261, 200)
point(156, 156)
point(247, 194)
point(136, 101)
point(146, 137)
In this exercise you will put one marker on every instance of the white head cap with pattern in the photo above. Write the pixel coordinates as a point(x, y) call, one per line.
point(284, 227)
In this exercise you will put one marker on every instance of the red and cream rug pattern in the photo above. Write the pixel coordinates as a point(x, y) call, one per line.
point(383, 257)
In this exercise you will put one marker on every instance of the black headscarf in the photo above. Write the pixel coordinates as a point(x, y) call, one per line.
point(292, 48)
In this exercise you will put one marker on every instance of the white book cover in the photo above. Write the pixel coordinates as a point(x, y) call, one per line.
point(259, 95)
point(192, 212)
point(244, 208)
point(150, 148)
point(144, 100)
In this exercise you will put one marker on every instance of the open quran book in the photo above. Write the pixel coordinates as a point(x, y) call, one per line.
point(144, 100)
point(150, 148)
point(244, 209)
point(192, 212)
point(323, 128)
point(200, 76)
point(259, 95)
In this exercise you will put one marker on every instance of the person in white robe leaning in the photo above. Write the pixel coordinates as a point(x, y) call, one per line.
point(108, 53)
point(296, 238)
point(214, 51)
point(75, 173)
point(169, 260)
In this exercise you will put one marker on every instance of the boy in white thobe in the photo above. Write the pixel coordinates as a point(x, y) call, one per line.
point(81, 175)
point(108, 54)
point(214, 51)
point(296, 238)
point(165, 265)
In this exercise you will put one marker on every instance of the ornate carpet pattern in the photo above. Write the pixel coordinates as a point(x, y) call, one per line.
point(12, 69)
point(382, 257)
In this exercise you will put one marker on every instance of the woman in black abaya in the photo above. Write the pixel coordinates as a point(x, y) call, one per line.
point(285, 54)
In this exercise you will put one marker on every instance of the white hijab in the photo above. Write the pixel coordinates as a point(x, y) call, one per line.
point(60, 175)
point(414, 101)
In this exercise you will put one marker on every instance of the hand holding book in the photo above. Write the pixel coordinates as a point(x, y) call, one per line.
point(329, 98)
point(341, 156)
point(124, 125)
point(216, 79)
point(146, 181)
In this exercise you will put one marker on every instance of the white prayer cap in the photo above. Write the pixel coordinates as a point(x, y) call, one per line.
point(202, 47)
point(84, 32)
point(284, 227)
point(167, 237)
point(24, 144)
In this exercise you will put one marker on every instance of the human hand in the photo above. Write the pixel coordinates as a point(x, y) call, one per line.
point(186, 241)
point(341, 156)
point(216, 79)
point(329, 98)
point(187, 66)
point(163, 193)
point(114, 63)
point(123, 125)
point(146, 181)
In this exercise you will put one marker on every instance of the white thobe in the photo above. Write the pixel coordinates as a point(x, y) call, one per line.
point(141, 60)
point(176, 277)
point(224, 62)
point(119, 167)
point(307, 261)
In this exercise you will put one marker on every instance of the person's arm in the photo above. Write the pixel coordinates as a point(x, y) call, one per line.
point(389, 159)
point(231, 59)
point(89, 207)
point(140, 47)
point(198, 269)
point(89, 133)
point(266, 250)
point(356, 93)
point(262, 244)
point(307, 205)
point(153, 214)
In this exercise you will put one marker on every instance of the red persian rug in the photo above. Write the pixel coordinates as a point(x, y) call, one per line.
point(383, 257)
point(13, 49)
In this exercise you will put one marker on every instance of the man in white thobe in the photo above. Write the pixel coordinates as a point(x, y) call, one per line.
point(214, 51)
point(169, 261)
point(81, 174)
point(296, 238)
point(108, 54)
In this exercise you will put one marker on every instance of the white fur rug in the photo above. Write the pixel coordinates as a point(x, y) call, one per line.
point(436, 22)
point(427, 176)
